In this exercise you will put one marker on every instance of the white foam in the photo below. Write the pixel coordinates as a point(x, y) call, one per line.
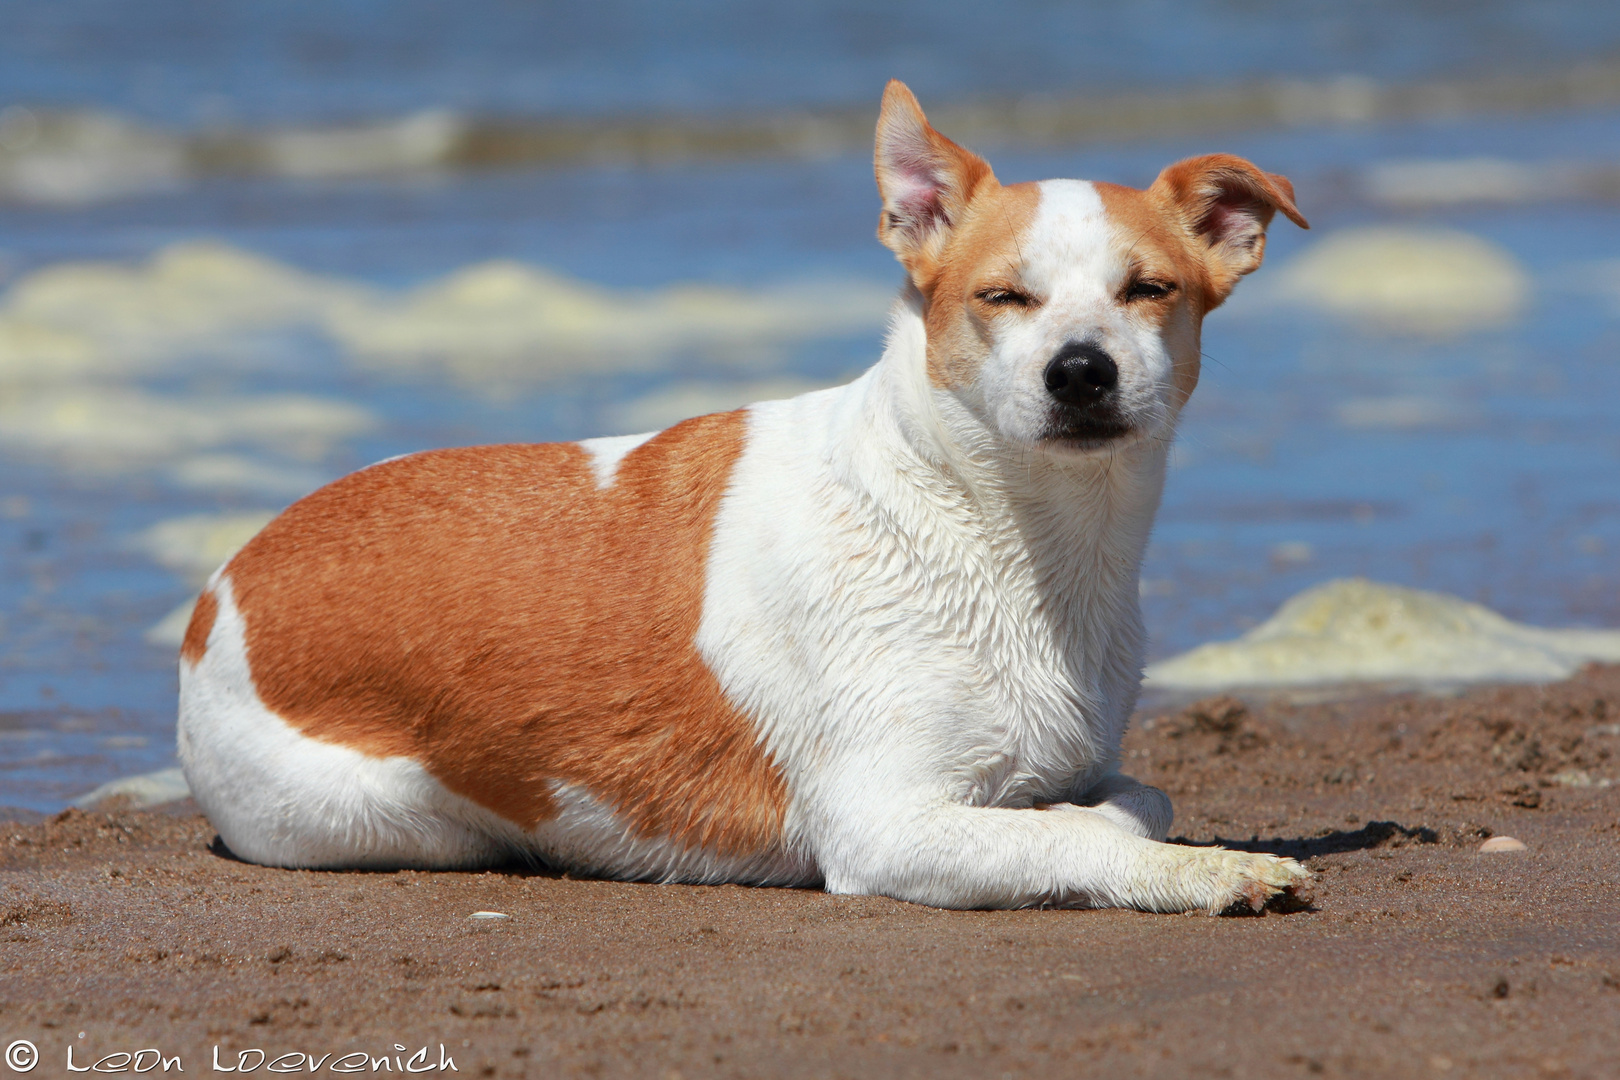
point(193, 546)
point(506, 321)
point(1423, 281)
point(409, 144)
point(74, 156)
point(116, 429)
point(1452, 181)
point(146, 790)
point(71, 157)
point(233, 472)
point(169, 631)
point(1353, 630)
point(83, 320)
point(500, 321)
point(682, 400)
point(1408, 413)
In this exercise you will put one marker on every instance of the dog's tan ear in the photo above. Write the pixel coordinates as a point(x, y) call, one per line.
point(926, 182)
point(1227, 203)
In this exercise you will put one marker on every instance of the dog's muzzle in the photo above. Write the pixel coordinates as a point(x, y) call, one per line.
point(1082, 379)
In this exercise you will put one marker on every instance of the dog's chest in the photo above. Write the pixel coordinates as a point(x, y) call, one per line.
point(1026, 642)
point(1043, 680)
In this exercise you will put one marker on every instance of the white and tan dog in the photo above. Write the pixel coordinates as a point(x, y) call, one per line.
point(884, 638)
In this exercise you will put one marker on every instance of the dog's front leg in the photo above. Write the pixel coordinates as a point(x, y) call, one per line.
point(955, 856)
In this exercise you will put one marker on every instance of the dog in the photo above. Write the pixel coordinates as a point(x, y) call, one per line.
point(882, 639)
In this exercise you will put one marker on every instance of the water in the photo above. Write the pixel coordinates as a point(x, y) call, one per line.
point(1475, 455)
point(181, 63)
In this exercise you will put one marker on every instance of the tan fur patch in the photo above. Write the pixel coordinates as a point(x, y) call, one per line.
point(494, 615)
point(198, 629)
point(1227, 204)
point(983, 244)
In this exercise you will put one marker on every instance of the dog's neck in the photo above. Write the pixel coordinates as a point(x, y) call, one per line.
point(1038, 555)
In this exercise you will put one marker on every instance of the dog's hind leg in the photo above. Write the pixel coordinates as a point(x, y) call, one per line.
point(1130, 804)
point(281, 798)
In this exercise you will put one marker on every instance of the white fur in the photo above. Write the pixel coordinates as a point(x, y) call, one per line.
point(608, 451)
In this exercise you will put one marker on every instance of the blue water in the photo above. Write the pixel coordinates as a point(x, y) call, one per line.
point(1515, 503)
point(216, 60)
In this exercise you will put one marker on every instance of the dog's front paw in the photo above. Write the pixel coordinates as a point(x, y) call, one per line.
point(1247, 884)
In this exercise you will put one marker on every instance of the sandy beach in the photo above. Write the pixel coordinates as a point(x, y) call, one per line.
point(1419, 956)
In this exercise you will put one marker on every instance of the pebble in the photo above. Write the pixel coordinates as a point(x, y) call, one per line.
point(1501, 843)
point(504, 915)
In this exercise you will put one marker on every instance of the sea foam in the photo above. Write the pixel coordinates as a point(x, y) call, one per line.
point(1358, 631)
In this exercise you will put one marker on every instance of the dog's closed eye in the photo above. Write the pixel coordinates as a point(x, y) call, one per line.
point(1148, 289)
point(1004, 296)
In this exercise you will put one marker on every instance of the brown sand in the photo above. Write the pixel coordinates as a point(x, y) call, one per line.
point(1421, 957)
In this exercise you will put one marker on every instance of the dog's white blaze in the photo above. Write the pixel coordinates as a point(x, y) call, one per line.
point(608, 451)
point(1065, 250)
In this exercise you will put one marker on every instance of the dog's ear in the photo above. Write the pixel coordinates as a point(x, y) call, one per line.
point(926, 182)
point(1227, 203)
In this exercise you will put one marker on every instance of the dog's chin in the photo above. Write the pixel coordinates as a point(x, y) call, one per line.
point(1089, 437)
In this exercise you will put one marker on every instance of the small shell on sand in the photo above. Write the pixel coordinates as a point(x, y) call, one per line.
point(504, 915)
point(1501, 843)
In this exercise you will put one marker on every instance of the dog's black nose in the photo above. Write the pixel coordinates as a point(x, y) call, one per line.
point(1081, 374)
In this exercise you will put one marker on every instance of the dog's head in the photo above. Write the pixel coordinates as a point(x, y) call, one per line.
point(1066, 314)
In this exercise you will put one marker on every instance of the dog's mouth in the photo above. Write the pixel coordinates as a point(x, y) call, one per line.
point(1087, 433)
